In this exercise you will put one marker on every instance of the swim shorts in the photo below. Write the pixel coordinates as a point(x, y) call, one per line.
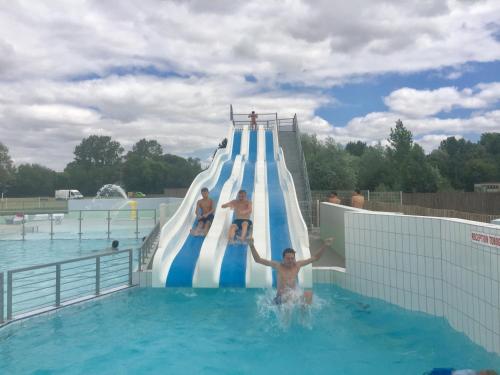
point(205, 219)
point(239, 223)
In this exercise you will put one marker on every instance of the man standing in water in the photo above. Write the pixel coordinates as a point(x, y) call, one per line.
point(242, 209)
point(288, 270)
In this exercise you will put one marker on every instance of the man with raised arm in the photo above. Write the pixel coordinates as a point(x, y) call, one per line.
point(242, 209)
point(204, 214)
point(288, 270)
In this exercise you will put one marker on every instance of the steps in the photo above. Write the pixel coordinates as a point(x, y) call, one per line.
point(293, 159)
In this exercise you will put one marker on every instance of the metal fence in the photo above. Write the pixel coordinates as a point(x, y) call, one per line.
point(17, 225)
point(32, 204)
point(426, 211)
point(148, 247)
point(33, 290)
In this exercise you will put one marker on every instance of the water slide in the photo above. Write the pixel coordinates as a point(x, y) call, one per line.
point(252, 161)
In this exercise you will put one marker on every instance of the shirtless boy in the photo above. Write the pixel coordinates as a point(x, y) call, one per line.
point(357, 199)
point(242, 209)
point(333, 198)
point(204, 214)
point(288, 270)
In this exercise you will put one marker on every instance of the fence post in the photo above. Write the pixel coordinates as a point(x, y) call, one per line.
point(136, 224)
point(80, 225)
point(51, 226)
point(1, 298)
point(109, 224)
point(400, 197)
point(23, 228)
point(317, 212)
point(9, 295)
point(97, 275)
point(130, 267)
point(58, 285)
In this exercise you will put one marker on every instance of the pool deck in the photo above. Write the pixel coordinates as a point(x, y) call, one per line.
point(329, 258)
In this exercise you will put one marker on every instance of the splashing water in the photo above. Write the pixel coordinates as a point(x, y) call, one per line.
point(111, 191)
point(293, 310)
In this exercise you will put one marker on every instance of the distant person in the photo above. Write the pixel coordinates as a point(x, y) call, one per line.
point(114, 245)
point(204, 214)
point(253, 120)
point(288, 270)
point(357, 200)
point(333, 198)
point(242, 209)
point(223, 144)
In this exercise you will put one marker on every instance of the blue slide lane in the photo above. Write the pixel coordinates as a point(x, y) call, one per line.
point(278, 223)
point(233, 269)
point(182, 269)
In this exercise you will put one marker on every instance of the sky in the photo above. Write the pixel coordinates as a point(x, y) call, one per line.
point(169, 70)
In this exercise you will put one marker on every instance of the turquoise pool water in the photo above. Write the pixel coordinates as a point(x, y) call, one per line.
point(17, 254)
point(228, 331)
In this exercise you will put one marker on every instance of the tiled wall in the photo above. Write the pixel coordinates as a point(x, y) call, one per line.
point(425, 264)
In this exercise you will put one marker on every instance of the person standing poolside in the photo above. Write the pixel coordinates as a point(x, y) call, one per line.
point(253, 120)
point(242, 209)
point(357, 200)
point(288, 270)
point(333, 198)
point(204, 214)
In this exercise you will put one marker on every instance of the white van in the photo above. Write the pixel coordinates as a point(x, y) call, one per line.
point(68, 194)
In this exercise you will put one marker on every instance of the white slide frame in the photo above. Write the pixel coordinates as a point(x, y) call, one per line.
point(207, 271)
point(174, 233)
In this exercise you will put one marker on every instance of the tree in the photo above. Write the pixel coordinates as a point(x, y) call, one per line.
point(329, 166)
point(98, 151)
point(98, 161)
point(33, 180)
point(6, 169)
point(144, 170)
point(356, 148)
point(373, 168)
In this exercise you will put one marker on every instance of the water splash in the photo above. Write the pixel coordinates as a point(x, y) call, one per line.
point(111, 191)
point(294, 310)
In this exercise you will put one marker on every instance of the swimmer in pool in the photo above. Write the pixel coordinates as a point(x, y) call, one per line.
point(288, 270)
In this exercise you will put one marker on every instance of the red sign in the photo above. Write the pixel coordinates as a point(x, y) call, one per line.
point(485, 239)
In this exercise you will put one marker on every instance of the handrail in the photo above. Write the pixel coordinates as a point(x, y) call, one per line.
point(304, 164)
point(148, 244)
point(34, 293)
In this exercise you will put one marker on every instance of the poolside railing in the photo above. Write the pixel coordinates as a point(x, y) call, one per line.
point(37, 289)
point(78, 224)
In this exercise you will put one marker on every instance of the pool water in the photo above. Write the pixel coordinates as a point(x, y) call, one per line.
point(17, 254)
point(235, 331)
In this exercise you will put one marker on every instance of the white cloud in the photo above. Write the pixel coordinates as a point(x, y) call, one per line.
point(420, 103)
point(48, 48)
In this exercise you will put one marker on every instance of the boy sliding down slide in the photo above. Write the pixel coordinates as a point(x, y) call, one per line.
point(288, 270)
point(204, 214)
point(242, 209)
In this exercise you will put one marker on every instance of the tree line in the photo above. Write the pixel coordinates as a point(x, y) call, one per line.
point(457, 164)
point(99, 160)
point(402, 165)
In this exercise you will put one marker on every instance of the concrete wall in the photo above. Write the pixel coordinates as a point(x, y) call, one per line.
point(332, 224)
point(117, 203)
point(444, 267)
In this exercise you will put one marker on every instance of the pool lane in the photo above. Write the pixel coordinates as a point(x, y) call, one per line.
point(182, 268)
point(278, 222)
point(233, 268)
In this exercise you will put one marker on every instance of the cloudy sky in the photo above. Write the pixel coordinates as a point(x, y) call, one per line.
point(168, 70)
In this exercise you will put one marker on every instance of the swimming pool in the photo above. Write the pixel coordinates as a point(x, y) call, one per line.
point(234, 331)
point(17, 254)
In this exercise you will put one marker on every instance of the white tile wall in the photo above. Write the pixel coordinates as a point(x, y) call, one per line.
point(425, 264)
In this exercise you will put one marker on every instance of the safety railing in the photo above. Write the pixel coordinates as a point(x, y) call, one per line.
point(148, 247)
point(77, 224)
point(41, 288)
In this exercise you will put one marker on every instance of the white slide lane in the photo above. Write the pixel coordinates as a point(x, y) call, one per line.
point(207, 271)
point(175, 231)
